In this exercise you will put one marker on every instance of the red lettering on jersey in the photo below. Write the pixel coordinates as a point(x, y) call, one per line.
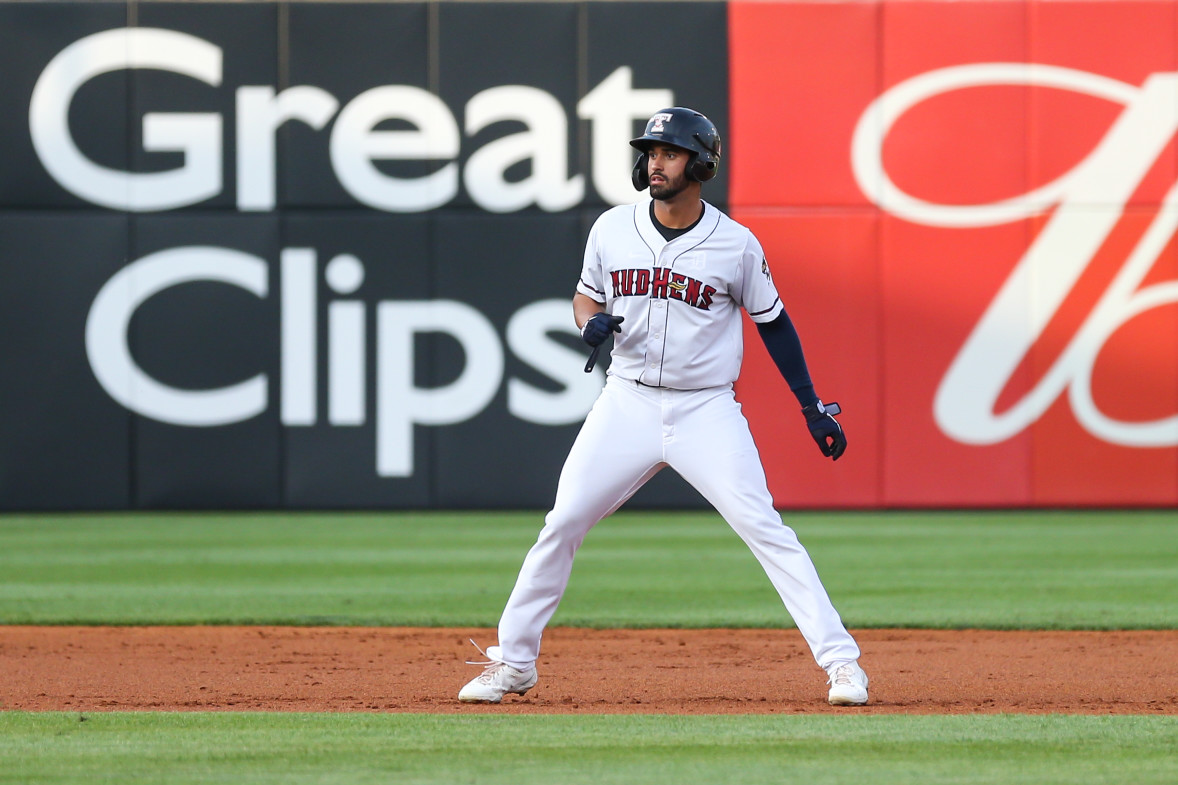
point(641, 282)
point(658, 289)
point(705, 298)
point(662, 285)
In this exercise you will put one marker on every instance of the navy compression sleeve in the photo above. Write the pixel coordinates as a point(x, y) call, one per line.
point(785, 347)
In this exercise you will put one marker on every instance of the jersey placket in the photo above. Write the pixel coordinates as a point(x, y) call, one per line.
point(656, 345)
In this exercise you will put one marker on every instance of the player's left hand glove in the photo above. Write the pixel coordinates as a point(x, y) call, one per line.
point(596, 330)
point(825, 429)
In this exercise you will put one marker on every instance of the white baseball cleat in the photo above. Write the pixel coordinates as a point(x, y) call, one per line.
point(498, 679)
point(848, 685)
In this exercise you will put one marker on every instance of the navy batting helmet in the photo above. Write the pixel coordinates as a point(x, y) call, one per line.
point(685, 128)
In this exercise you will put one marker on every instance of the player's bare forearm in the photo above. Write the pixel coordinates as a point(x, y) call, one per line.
point(585, 308)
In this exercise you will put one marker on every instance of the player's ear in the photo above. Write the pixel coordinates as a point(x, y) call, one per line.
point(640, 176)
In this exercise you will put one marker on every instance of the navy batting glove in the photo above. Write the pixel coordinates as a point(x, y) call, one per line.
point(825, 429)
point(597, 329)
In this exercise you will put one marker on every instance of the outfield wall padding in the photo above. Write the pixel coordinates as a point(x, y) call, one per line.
point(320, 255)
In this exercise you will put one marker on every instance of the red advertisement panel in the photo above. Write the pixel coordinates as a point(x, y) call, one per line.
point(800, 75)
point(824, 267)
point(930, 281)
point(1125, 381)
point(1109, 120)
point(988, 190)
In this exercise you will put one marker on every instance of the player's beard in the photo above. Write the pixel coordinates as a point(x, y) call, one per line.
point(669, 189)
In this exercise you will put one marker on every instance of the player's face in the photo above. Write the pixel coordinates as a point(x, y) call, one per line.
point(667, 169)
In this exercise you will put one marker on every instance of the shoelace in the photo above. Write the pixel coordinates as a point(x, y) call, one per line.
point(487, 662)
point(842, 675)
point(490, 666)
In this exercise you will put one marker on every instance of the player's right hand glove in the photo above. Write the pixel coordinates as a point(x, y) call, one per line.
point(597, 329)
point(825, 429)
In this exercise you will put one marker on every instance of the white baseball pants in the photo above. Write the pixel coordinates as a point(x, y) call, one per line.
point(631, 433)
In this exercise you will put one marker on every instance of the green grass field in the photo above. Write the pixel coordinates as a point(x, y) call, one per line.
point(1057, 570)
point(1046, 570)
point(349, 749)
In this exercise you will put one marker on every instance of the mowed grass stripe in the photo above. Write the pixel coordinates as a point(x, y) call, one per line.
point(352, 749)
point(1005, 570)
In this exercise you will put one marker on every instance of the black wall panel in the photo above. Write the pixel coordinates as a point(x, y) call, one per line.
point(206, 336)
point(31, 36)
point(247, 34)
point(684, 49)
point(495, 458)
point(346, 49)
point(331, 464)
point(484, 46)
point(63, 442)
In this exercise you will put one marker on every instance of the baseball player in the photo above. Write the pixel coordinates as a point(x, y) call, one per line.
point(668, 278)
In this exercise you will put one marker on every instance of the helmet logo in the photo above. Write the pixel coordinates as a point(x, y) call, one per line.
point(657, 122)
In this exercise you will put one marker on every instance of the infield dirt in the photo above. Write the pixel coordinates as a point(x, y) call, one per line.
point(581, 671)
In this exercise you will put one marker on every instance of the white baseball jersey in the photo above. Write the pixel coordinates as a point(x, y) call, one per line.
point(681, 299)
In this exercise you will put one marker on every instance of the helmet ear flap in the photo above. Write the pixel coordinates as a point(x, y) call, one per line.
point(697, 171)
point(639, 175)
point(706, 161)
